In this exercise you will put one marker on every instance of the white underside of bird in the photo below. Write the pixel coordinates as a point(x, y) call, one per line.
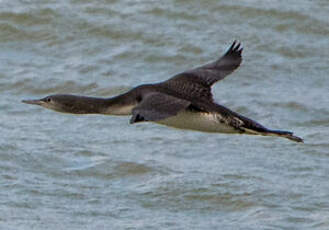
point(200, 121)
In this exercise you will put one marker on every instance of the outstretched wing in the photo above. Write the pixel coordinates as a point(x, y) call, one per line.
point(208, 74)
point(157, 106)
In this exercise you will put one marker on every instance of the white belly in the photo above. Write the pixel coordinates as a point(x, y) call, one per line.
point(205, 122)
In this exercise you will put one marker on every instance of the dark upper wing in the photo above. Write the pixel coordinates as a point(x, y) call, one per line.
point(208, 74)
point(157, 106)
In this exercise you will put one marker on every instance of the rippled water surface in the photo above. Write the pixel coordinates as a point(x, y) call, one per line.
point(62, 171)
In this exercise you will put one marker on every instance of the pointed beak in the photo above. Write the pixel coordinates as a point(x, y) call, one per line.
point(33, 102)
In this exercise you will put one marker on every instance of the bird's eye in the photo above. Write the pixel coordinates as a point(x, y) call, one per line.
point(48, 99)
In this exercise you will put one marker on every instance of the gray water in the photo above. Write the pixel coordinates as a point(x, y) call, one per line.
point(61, 171)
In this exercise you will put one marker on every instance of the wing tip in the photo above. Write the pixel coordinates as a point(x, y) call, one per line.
point(136, 118)
point(235, 48)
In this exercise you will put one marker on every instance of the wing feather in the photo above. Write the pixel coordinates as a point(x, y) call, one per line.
point(157, 106)
point(208, 74)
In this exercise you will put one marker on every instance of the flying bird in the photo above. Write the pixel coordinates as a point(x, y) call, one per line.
point(184, 101)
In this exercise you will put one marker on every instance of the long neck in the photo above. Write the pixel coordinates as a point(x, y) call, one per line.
point(118, 105)
point(121, 104)
point(124, 103)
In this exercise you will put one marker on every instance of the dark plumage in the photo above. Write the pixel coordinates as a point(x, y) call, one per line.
point(184, 101)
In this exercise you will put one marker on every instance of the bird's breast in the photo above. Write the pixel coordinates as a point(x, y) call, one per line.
point(200, 121)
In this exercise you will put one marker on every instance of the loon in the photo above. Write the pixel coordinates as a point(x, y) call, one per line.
point(184, 101)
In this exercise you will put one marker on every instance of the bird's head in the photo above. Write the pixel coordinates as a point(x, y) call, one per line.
point(65, 103)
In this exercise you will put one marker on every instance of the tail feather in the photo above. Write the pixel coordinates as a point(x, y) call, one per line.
point(279, 133)
point(252, 127)
point(286, 134)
